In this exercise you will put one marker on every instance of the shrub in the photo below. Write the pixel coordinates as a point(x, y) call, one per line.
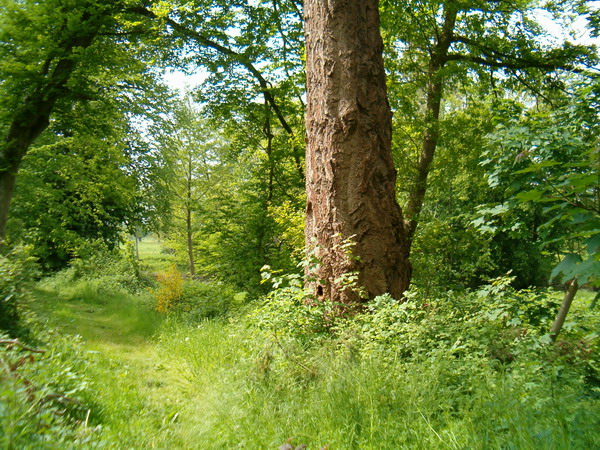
point(44, 396)
point(461, 370)
point(494, 322)
point(195, 300)
point(17, 269)
point(169, 291)
point(290, 311)
point(105, 271)
point(209, 300)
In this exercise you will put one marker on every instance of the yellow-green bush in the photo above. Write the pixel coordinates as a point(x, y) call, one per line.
point(169, 291)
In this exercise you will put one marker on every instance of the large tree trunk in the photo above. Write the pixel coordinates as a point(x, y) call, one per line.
point(350, 175)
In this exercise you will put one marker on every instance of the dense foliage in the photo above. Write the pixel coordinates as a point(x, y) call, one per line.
point(549, 159)
point(17, 271)
point(463, 369)
point(152, 289)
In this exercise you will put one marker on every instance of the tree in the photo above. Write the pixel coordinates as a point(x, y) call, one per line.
point(550, 158)
point(76, 185)
point(36, 75)
point(209, 43)
point(53, 55)
point(74, 86)
point(188, 148)
point(444, 43)
point(351, 179)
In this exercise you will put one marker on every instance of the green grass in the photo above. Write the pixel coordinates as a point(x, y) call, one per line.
point(243, 401)
point(135, 388)
point(221, 384)
point(152, 257)
point(99, 317)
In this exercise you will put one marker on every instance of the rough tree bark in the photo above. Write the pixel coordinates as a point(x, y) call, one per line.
point(350, 175)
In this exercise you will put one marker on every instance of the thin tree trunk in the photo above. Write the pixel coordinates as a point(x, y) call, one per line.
point(188, 218)
point(137, 244)
point(351, 179)
point(435, 87)
point(559, 321)
point(190, 243)
point(429, 145)
point(269, 150)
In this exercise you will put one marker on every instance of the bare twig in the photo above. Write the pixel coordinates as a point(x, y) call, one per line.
point(11, 343)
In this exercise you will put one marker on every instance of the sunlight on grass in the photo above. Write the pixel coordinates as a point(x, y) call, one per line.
point(172, 382)
point(118, 317)
point(152, 256)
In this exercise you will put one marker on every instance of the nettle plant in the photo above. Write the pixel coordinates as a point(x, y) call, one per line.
point(290, 311)
point(292, 308)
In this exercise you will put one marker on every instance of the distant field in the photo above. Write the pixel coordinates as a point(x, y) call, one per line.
point(151, 255)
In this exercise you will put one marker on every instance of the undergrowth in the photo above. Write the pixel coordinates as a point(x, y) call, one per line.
point(469, 370)
point(17, 271)
point(44, 396)
point(464, 370)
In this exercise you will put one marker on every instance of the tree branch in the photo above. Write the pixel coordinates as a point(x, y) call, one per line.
point(547, 61)
point(239, 58)
point(512, 63)
point(265, 86)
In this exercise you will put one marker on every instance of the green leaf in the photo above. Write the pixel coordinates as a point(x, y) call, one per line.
point(581, 182)
point(582, 217)
point(593, 244)
point(538, 166)
point(478, 222)
point(588, 270)
point(567, 267)
point(595, 301)
point(496, 210)
point(527, 196)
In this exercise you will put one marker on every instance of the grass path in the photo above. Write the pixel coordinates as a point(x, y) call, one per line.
point(146, 391)
point(138, 390)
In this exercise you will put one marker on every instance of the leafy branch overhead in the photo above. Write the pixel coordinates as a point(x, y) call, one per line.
point(188, 31)
point(439, 44)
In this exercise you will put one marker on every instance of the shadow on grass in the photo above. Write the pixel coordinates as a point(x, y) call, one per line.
point(118, 318)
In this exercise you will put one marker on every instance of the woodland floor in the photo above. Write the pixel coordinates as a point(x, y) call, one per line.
point(138, 386)
point(167, 382)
